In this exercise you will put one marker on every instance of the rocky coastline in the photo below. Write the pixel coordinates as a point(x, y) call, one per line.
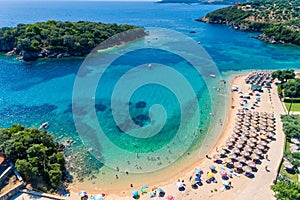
point(242, 27)
point(234, 25)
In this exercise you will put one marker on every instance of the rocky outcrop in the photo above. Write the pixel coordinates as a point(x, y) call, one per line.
point(271, 40)
point(234, 25)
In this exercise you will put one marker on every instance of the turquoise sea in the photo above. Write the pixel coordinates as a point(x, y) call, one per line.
point(34, 92)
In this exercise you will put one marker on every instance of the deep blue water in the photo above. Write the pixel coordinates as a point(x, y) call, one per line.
point(34, 92)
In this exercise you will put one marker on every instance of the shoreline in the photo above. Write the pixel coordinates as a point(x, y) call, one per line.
point(184, 172)
point(169, 182)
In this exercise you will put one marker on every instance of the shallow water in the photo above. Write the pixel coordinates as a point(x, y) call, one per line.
point(39, 91)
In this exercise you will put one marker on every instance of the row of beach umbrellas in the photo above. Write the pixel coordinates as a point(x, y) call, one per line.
point(249, 141)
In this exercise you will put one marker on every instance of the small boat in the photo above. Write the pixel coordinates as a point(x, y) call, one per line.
point(192, 31)
point(44, 125)
point(212, 75)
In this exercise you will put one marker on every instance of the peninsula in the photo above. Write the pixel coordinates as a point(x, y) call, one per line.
point(55, 39)
point(277, 20)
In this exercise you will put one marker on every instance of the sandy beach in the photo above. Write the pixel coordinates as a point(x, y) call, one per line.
point(242, 186)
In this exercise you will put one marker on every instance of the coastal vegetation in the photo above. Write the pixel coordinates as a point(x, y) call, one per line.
point(35, 154)
point(202, 1)
point(278, 20)
point(59, 39)
point(287, 186)
point(288, 88)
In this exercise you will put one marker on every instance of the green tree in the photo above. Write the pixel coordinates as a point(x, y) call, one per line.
point(25, 168)
point(34, 152)
point(286, 191)
point(292, 90)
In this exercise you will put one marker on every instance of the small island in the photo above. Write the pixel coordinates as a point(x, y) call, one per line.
point(278, 20)
point(55, 39)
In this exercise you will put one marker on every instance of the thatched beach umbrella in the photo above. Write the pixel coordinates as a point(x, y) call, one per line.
point(235, 135)
point(270, 134)
point(236, 131)
point(251, 144)
point(239, 119)
point(263, 137)
point(251, 164)
point(232, 139)
point(247, 169)
point(262, 132)
point(263, 117)
point(229, 143)
point(240, 116)
point(263, 143)
point(246, 124)
point(235, 150)
point(240, 146)
point(232, 155)
point(238, 127)
point(270, 129)
point(238, 123)
point(248, 148)
point(254, 140)
point(257, 151)
point(237, 165)
point(245, 153)
point(248, 117)
point(255, 156)
point(263, 120)
point(260, 147)
point(216, 157)
point(241, 159)
point(253, 134)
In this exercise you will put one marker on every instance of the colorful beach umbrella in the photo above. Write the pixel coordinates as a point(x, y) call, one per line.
point(198, 179)
point(210, 175)
point(135, 193)
point(170, 197)
point(82, 194)
point(212, 167)
point(99, 197)
point(226, 183)
point(198, 171)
